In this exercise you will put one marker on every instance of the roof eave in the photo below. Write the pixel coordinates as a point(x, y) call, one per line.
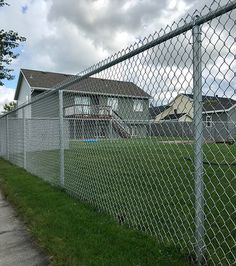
point(21, 76)
point(219, 111)
point(96, 93)
point(16, 96)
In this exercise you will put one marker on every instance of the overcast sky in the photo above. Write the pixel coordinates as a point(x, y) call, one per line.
point(69, 36)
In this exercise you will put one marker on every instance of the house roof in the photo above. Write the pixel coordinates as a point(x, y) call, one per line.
point(156, 110)
point(173, 116)
point(215, 103)
point(211, 104)
point(47, 80)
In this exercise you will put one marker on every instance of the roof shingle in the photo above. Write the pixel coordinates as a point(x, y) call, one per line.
point(47, 80)
point(215, 103)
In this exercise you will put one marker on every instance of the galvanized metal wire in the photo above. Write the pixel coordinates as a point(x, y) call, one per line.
point(147, 135)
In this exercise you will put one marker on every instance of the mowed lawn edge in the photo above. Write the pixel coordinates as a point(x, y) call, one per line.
point(73, 233)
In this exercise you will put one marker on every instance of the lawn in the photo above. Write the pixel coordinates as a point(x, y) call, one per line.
point(72, 233)
point(148, 185)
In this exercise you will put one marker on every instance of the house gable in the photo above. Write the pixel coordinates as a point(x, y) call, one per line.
point(182, 104)
point(39, 80)
point(23, 95)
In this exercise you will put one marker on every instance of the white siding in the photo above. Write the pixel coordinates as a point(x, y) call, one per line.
point(24, 95)
point(182, 104)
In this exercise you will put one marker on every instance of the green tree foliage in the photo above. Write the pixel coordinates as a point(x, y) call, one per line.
point(9, 40)
point(9, 107)
point(3, 3)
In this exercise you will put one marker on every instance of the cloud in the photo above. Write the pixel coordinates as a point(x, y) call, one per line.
point(69, 36)
point(24, 9)
point(98, 19)
point(6, 96)
point(67, 50)
point(117, 23)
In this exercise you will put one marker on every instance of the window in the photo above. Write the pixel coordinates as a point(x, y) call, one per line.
point(82, 105)
point(69, 111)
point(113, 102)
point(138, 106)
point(101, 133)
point(134, 131)
point(208, 121)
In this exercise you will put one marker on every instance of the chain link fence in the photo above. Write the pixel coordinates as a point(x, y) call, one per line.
point(147, 135)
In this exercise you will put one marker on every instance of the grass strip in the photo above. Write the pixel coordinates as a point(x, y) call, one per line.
point(72, 233)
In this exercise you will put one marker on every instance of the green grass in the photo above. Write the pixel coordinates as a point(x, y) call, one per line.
point(72, 233)
point(150, 185)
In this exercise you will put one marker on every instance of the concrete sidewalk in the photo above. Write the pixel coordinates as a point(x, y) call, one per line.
point(16, 246)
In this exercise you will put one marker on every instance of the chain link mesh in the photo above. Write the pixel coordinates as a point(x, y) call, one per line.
point(122, 135)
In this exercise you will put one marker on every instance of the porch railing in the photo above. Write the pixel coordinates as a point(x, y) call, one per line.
point(84, 109)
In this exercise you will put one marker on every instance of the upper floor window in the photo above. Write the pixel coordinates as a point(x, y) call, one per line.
point(113, 103)
point(209, 121)
point(82, 105)
point(138, 106)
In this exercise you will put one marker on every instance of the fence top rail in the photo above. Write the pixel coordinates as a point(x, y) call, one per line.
point(196, 20)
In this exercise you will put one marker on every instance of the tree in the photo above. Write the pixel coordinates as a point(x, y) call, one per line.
point(2, 3)
point(9, 107)
point(9, 40)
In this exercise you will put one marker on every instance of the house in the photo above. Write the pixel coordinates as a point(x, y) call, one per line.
point(156, 110)
point(94, 107)
point(219, 116)
point(180, 109)
point(215, 108)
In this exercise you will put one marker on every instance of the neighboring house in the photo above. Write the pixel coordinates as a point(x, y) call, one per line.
point(181, 109)
point(219, 115)
point(95, 107)
point(156, 110)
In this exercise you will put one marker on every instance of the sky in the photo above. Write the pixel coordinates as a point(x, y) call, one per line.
point(69, 36)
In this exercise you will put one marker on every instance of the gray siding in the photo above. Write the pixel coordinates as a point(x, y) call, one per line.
point(217, 117)
point(172, 129)
point(125, 105)
point(232, 122)
point(219, 131)
point(86, 129)
point(138, 130)
point(223, 126)
point(125, 108)
point(24, 96)
point(136, 121)
point(47, 107)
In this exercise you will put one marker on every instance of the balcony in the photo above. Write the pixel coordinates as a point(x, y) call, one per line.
point(88, 111)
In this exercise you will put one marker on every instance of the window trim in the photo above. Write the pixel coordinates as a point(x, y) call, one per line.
point(136, 104)
point(113, 99)
point(208, 121)
point(82, 97)
point(133, 131)
point(85, 107)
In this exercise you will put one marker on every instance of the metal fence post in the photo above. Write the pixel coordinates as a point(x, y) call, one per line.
point(82, 124)
point(61, 138)
point(24, 138)
point(74, 136)
point(111, 132)
point(198, 149)
point(150, 128)
point(7, 137)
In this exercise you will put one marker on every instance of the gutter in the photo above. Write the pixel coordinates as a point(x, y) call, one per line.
point(94, 93)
